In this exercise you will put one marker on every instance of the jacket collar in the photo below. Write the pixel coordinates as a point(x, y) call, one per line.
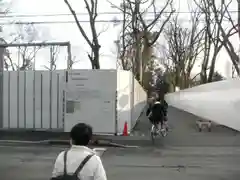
point(83, 148)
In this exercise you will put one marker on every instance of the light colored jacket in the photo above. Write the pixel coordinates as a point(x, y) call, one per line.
point(93, 169)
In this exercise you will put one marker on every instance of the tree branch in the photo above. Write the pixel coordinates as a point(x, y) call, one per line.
point(78, 24)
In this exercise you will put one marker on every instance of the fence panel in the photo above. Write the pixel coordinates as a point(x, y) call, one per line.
point(22, 97)
point(32, 100)
point(91, 98)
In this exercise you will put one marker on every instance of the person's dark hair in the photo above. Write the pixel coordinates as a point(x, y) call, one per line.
point(81, 134)
point(158, 99)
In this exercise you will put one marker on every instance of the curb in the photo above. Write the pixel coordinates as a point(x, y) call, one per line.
point(44, 142)
point(103, 143)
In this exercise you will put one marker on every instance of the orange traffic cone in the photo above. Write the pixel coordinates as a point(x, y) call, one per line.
point(125, 129)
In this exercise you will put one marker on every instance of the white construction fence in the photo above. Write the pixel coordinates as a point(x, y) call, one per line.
point(57, 100)
point(217, 101)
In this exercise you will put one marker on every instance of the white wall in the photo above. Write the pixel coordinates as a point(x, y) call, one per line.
point(140, 101)
point(101, 92)
point(105, 99)
point(219, 102)
point(94, 95)
point(131, 100)
point(27, 100)
point(225, 84)
point(124, 92)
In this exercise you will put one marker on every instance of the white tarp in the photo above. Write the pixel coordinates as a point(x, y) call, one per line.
point(42, 100)
point(105, 99)
point(91, 97)
point(218, 102)
point(131, 100)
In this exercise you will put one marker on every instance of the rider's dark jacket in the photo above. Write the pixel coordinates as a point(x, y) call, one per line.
point(165, 107)
point(156, 112)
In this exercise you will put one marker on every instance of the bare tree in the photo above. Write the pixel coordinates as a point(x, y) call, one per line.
point(54, 53)
point(125, 41)
point(238, 1)
point(4, 9)
point(26, 55)
point(146, 32)
point(225, 35)
point(8, 61)
point(124, 54)
point(210, 40)
point(129, 44)
point(151, 30)
point(140, 34)
point(93, 43)
point(73, 61)
point(217, 36)
point(183, 48)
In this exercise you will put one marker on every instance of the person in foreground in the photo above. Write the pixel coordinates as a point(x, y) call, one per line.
point(156, 113)
point(79, 162)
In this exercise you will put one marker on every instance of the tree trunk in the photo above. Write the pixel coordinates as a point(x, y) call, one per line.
point(239, 22)
point(96, 59)
point(207, 43)
point(212, 67)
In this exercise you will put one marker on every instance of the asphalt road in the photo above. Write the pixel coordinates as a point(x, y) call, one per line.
point(184, 132)
point(185, 154)
point(182, 163)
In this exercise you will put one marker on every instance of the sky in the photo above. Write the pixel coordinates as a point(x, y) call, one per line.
point(69, 32)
